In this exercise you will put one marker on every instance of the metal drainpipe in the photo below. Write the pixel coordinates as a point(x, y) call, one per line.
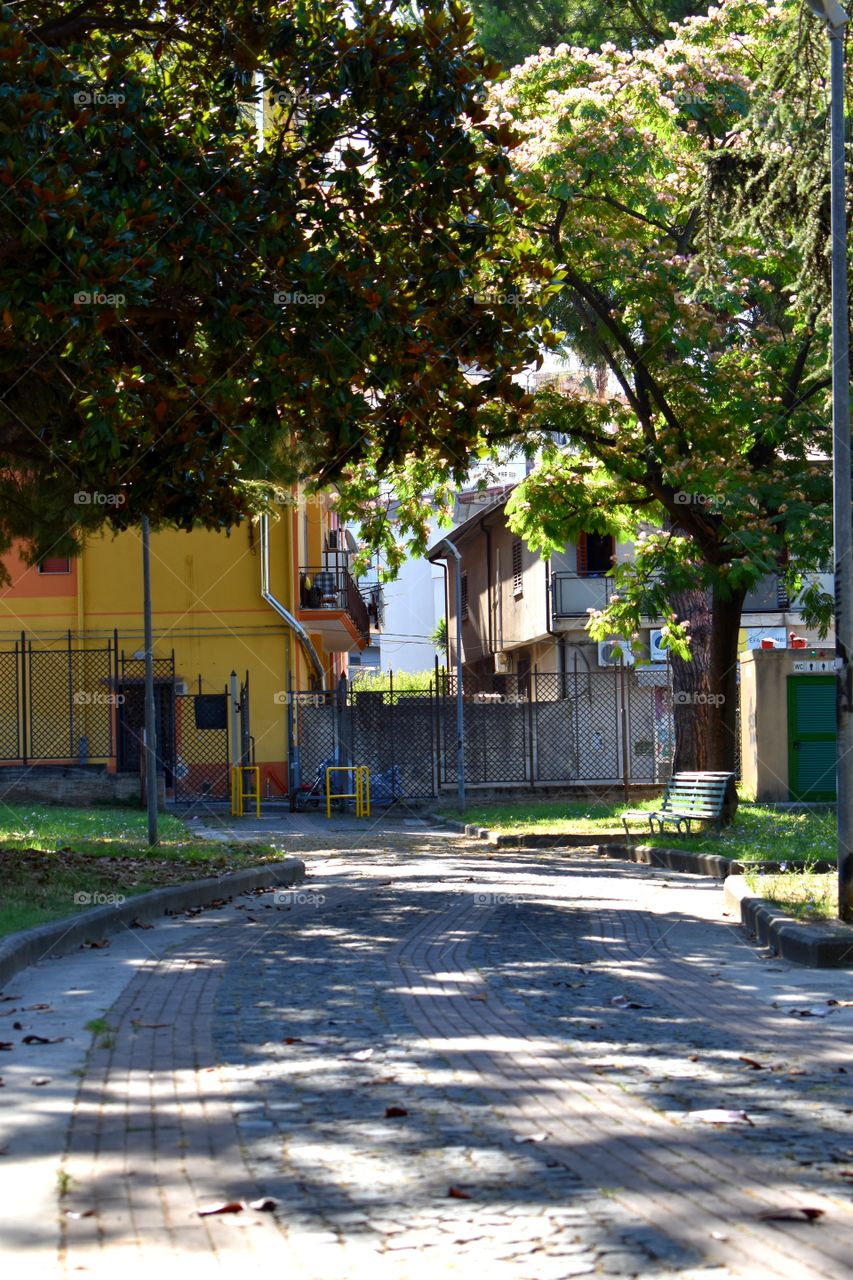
point(296, 627)
point(490, 641)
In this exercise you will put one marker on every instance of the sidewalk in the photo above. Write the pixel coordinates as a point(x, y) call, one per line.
point(436, 1061)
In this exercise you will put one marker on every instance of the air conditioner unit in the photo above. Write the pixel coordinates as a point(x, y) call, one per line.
point(612, 652)
point(658, 648)
point(503, 663)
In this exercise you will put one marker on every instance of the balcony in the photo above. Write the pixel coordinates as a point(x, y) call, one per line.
point(573, 597)
point(331, 605)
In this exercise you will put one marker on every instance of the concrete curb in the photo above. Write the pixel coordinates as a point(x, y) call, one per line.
point(822, 946)
point(58, 937)
point(614, 845)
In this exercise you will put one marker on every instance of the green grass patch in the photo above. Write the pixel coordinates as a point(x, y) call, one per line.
point(98, 831)
point(761, 833)
point(806, 895)
point(57, 861)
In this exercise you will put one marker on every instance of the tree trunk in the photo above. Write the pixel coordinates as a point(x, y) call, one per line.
point(691, 682)
point(705, 688)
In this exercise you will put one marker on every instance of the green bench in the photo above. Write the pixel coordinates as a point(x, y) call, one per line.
point(689, 797)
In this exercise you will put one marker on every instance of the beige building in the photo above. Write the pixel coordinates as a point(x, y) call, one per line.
point(522, 612)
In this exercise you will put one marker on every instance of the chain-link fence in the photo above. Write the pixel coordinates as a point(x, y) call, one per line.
point(58, 702)
point(392, 733)
point(202, 765)
point(545, 727)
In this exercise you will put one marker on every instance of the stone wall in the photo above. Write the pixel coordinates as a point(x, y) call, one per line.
point(51, 784)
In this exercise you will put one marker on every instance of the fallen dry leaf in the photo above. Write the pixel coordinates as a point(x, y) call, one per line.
point(791, 1215)
point(226, 1206)
point(751, 1062)
point(40, 1007)
point(456, 1193)
point(719, 1115)
point(42, 1040)
point(6, 1044)
point(149, 1026)
point(6, 999)
point(40, 1080)
point(140, 924)
point(95, 946)
point(392, 1113)
point(73, 1213)
point(623, 1002)
point(266, 1204)
point(530, 1137)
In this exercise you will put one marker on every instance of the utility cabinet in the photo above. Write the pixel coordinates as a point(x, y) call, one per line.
point(787, 722)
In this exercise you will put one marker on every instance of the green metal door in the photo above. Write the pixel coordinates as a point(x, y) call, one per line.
point(811, 737)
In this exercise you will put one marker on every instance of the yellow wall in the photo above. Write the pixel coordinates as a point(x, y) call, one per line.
point(207, 608)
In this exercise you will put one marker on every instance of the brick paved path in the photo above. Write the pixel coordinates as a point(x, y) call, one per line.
point(545, 1130)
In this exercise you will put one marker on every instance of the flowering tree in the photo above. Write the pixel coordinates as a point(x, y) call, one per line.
point(710, 447)
point(511, 30)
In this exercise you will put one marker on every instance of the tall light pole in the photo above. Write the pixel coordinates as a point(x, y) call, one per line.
point(150, 713)
point(835, 20)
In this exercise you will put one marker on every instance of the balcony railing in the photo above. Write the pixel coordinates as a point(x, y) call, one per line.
point(334, 587)
point(573, 596)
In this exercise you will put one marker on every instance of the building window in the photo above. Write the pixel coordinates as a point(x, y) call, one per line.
point(517, 581)
point(465, 595)
point(596, 554)
point(55, 564)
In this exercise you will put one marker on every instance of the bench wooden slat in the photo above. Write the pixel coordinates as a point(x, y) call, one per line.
point(688, 797)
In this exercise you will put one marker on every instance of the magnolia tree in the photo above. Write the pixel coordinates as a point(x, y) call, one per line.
point(188, 318)
point(709, 448)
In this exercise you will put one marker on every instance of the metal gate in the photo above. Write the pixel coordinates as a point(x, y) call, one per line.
point(130, 718)
point(394, 734)
point(202, 763)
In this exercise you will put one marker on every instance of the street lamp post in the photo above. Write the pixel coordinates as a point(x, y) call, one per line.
point(835, 20)
point(150, 714)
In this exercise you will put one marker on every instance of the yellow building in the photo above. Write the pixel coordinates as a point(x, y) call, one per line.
point(273, 602)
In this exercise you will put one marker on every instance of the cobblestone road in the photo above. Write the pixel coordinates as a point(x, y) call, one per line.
point(440, 1062)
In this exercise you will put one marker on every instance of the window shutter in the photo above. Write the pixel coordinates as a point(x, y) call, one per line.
point(582, 556)
point(517, 580)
